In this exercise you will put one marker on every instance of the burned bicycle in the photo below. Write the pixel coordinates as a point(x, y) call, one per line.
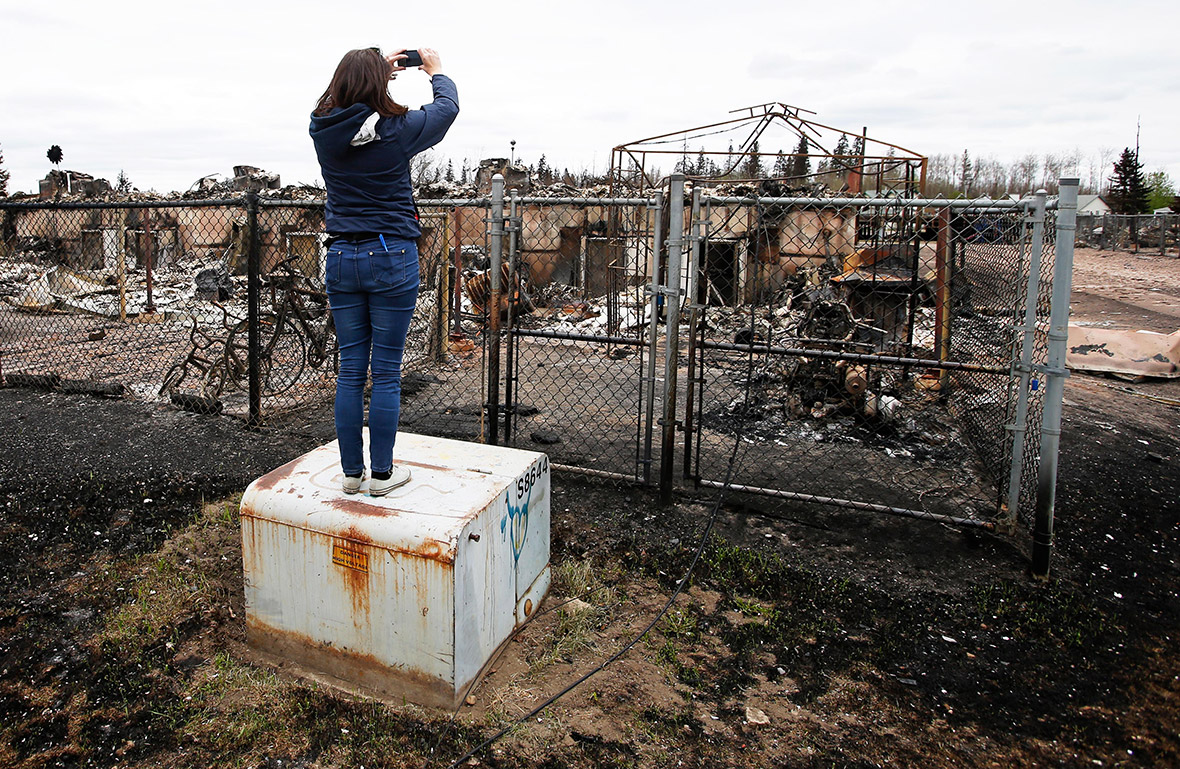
point(298, 332)
point(208, 358)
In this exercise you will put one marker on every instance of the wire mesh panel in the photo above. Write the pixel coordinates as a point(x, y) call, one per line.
point(444, 378)
point(443, 366)
point(297, 352)
point(873, 353)
point(117, 299)
point(151, 300)
point(846, 343)
point(578, 308)
point(991, 256)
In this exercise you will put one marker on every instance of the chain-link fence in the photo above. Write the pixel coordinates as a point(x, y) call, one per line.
point(154, 300)
point(873, 353)
point(1130, 232)
point(120, 299)
point(865, 350)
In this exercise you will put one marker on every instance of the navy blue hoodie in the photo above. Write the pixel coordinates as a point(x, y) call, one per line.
point(367, 173)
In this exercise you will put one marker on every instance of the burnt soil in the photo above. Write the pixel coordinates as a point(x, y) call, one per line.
point(861, 640)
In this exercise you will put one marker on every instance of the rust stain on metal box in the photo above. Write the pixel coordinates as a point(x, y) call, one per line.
point(351, 665)
point(360, 507)
point(356, 582)
point(274, 477)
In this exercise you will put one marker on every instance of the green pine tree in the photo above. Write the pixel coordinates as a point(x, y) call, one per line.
point(858, 150)
point(1128, 188)
point(966, 173)
point(753, 168)
point(840, 162)
point(782, 166)
point(801, 163)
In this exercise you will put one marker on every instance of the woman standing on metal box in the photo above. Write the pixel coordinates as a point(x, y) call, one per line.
point(364, 141)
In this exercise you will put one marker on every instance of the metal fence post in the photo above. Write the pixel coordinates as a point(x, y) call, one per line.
point(514, 280)
point(671, 292)
point(253, 289)
point(442, 306)
point(121, 266)
point(943, 312)
point(1055, 374)
point(694, 317)
point(496, 246)
point(148, 267)
point(653, 332)
point(1023, 367)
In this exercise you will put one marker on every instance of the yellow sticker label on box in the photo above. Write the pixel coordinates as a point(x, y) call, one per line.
point(350, 559)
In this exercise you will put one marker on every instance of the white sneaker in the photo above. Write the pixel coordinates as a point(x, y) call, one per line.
point(353, 485)
point(400, 477)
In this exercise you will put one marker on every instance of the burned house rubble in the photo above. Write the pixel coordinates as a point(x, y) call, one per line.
point(59, 184)
point(570, 247)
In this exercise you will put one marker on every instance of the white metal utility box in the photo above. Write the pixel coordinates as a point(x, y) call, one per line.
point(408, 595)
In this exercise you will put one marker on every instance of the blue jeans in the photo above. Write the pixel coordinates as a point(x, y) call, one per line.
point(372, 292)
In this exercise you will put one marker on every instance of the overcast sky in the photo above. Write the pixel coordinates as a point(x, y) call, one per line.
point(170, 92)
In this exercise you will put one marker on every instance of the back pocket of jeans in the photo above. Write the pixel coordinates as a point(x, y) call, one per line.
point(332, 268)
point(389, 267)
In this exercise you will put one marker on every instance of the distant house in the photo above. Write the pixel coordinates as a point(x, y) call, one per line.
point(1092, 205)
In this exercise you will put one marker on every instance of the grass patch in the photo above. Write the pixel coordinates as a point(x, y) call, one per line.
point(1044, 612)
point(590, 598)
point(668, 655)
point(166, 588)
point(680, 623)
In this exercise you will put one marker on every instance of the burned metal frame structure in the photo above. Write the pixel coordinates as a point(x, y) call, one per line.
point(889, 169)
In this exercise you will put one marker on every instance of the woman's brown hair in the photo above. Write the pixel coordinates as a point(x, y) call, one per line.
point(362, 76)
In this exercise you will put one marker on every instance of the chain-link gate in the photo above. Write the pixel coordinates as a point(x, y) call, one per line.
point(872, 353)
point(577, 308)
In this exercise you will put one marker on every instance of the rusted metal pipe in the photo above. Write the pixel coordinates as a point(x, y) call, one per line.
point(942, 292)
point(496, 247)
point(147, 261)
point(457, 298)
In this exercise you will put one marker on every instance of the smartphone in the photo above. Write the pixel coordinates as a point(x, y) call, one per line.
point(412, 60)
